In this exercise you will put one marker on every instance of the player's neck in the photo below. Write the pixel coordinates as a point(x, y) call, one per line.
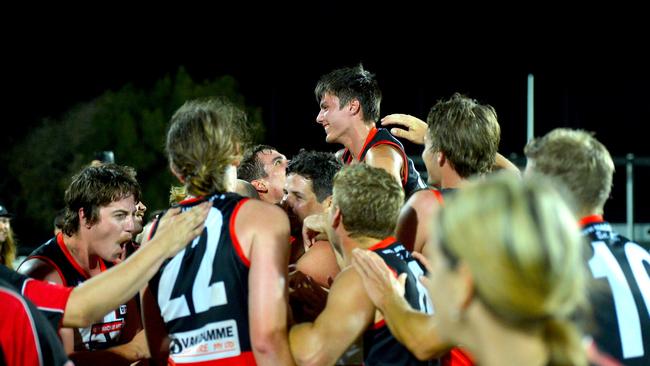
point(78, 248)
point(450, 178)
point(356, 138)
point(361, 242)
point(589, 212)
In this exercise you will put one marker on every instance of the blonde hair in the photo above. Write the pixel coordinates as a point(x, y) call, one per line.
point(369, 199)
point(177, 194)
point(579, 161)
point(525, 252)
point(204, 137)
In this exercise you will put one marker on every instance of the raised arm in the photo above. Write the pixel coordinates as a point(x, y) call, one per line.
point(411, 128)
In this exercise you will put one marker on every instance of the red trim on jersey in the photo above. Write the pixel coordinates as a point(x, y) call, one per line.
point(233, 235)
point(66, 252)
point(438, 195)
point(591, 219)
point(102, 265)
point(370, 136)
point(53, 265)
point(191, 200)
point(379, 324)
point(245, 359)
point(45, 295)
point(405, 165)
point(384, 243)
point(153, 227)
point(18, 337)
point(457, 357)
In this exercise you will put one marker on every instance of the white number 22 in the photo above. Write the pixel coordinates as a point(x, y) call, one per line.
point(204, 295)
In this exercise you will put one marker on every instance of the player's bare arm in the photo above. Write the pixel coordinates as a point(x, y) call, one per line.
point(347, 315)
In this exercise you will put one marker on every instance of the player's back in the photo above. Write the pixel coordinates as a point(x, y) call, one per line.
point(202, 292)
point(621, 307)
point(380, 346)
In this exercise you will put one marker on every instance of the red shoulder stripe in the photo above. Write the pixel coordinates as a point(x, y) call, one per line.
point(233, 234)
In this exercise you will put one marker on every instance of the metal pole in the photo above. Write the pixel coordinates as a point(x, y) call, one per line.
point(629, 195)
point(530, 117)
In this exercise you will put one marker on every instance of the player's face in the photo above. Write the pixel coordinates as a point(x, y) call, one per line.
point(275, 166)
point(300, 197)
point(332, 118)
point(114, 229)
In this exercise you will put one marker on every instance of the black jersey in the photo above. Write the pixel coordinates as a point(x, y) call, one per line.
point(26, 337)
point(411, 180)
point(101, 335)
point(202, 292)
point(621, 306)
point(380, 347)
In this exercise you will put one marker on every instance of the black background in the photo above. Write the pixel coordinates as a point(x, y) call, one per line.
point(590, 78)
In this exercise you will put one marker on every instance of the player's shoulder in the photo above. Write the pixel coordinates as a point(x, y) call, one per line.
point(40, 268)
point(425, 199)
point(259, 207)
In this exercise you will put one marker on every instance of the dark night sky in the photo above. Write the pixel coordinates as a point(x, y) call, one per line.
point(599, 85)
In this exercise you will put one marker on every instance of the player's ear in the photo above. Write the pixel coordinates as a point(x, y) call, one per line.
point(84, 218)
point(337, 217)
point(260, 185)
point(442, 159)
point(354, 106)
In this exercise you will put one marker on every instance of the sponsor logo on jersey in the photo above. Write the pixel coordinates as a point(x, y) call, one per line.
point(105, 334)
point(122, 309)
point(103, 328)
point(211, 342)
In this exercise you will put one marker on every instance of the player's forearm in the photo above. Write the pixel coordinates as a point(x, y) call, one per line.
point(414, 329)
point(272, 349)
point(101, 294)
point(306, 347)
point(118, 355)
